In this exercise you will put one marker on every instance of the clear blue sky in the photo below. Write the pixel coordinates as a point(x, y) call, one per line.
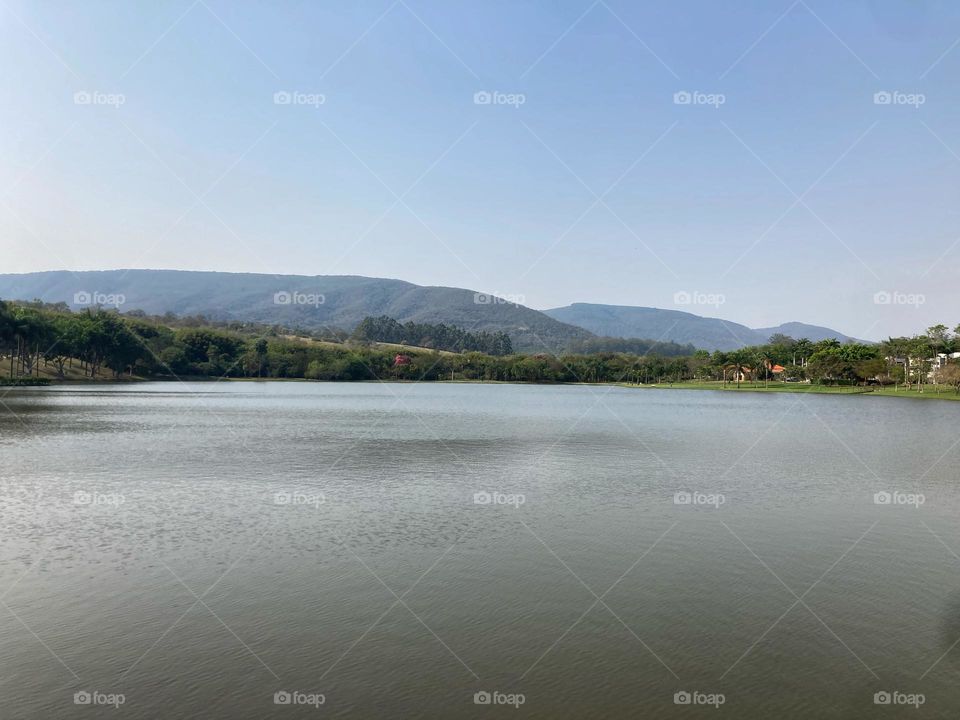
point(199, 168)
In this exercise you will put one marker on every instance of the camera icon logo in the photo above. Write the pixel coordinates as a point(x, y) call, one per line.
point(482, 298)
point(282, 697)
point(682, 498)
point(82, 698)
point(882, 498)
point(282, 97)
point(882, 698)
point(282, 498)
point(282, 298)
point(682, 298)
point(82, 98)
point(482, 97)
point(882, 98)
point(882, 298)
point(482, 498)
point(81, 497)
point(82, 298)
point(482, 698)
point(682, 98)
point(682, 698)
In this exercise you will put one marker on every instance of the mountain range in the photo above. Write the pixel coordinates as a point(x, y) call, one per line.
point(680, 327)
point(342, 301)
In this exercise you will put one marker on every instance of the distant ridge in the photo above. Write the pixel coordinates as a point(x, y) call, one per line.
point(811, 332)
point(680, 327)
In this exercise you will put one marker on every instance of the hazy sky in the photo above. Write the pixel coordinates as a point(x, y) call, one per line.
point(784, 186)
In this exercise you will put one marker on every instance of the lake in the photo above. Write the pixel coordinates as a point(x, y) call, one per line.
point(251, 550)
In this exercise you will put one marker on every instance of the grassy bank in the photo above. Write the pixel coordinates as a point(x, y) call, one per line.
point(930, 392)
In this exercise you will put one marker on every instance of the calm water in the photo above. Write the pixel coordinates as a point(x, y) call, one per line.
point(198, 548)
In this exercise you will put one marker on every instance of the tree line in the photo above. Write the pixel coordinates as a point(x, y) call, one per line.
point(437, 337)
point(631, 346)
point(912, 361)
point(98, 343)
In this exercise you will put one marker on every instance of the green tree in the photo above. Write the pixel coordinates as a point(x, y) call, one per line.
point(260, 350)
point(68, 342)
point(740, 361)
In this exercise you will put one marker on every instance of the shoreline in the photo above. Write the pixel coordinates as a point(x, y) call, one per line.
point(931, 393)
point(945, 392)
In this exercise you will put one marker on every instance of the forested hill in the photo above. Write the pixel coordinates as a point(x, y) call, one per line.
point(311, 303)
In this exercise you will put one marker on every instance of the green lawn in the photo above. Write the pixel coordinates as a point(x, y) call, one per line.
point(941, 392)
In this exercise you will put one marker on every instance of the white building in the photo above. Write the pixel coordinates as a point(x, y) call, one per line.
point(937, 363)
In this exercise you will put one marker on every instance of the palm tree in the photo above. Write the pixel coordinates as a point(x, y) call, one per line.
point(764, 359)
point(802, 349)
point(740, 360)
point(939, 339)
point(720, 360)
point(260, 347)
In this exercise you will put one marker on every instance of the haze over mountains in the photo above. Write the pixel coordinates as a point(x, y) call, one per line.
point(342, 301)
point(680, 327)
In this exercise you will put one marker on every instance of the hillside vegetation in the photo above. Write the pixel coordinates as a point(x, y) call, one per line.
point(325, 303)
